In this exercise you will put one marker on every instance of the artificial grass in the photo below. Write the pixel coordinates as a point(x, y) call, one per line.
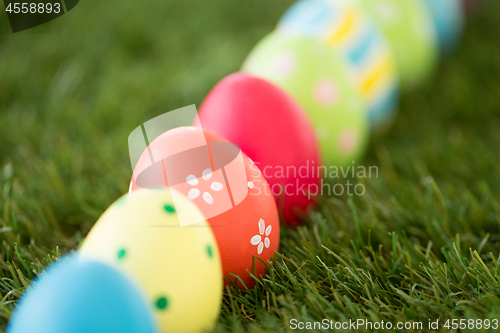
point(422, 243)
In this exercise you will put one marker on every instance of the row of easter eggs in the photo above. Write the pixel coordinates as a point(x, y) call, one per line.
point(310, 93)
point(314, 90)
point(168, 277)
point(137, 271)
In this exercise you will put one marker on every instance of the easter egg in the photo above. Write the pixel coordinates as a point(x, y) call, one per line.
point(448, 18)
point(343, 25)
point(245, 222)
point(408, 26)
point(81, 296)
point(273, 130)
point(177, 267)
point(317, 77)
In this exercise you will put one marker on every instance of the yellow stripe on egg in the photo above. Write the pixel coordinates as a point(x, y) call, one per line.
point(347, 28)
point(380, 78)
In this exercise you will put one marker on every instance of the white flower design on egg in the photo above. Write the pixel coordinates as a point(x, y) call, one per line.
point(257, 239)
point(195, 192)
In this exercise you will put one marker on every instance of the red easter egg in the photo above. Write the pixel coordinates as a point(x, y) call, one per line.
point(274, 131)
point(227, 187)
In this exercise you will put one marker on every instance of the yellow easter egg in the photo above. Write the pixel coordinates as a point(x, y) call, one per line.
point(178, 268)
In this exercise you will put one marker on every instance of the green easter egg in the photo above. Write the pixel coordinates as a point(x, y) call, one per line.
point(317, 77)
point(410, 30)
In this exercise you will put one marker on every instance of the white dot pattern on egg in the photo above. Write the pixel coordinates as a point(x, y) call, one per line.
point(182, 275)
point(262, 238)
point(195, 192)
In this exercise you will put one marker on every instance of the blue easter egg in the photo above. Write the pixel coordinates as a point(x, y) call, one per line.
point(344, 26)
point(81, 296)
point(448, 18)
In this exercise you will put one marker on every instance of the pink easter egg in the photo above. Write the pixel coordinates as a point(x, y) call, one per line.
point(274, 131)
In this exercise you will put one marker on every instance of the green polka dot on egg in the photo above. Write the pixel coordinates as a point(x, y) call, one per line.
point(169, 208)
point(318, 78)
point(209, 251)
point(161, 303)
point(121, 253)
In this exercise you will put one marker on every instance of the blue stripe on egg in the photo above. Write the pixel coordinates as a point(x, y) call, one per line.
point(344, 26)
point(307, 17)
point(384, 109)
point(361, 50)
point(448, 17)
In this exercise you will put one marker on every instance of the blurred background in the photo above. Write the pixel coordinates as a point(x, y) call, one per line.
point(73, 89)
